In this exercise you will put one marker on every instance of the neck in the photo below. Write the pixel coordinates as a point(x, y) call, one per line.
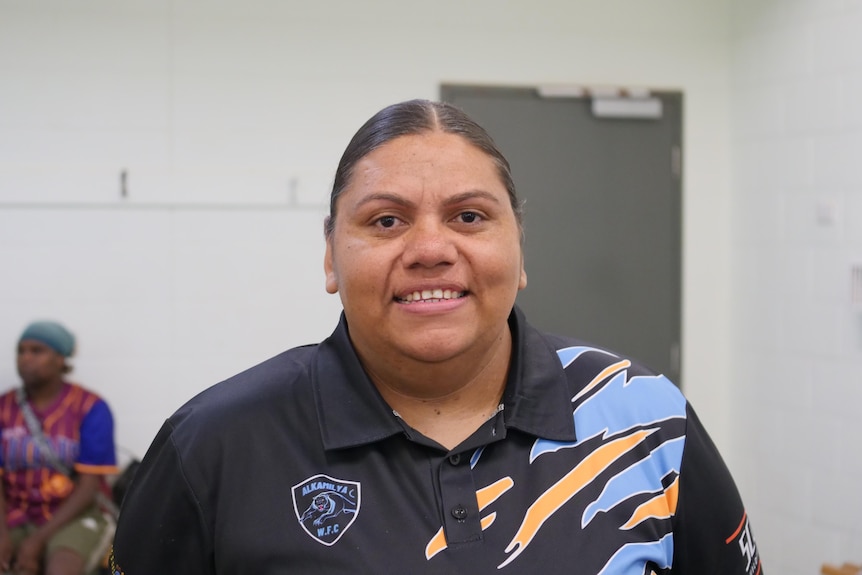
point(447, 401)
point(41, 394)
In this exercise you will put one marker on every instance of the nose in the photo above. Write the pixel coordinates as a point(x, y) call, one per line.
point(428, 244)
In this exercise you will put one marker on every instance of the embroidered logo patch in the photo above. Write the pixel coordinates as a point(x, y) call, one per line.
point(326, 507)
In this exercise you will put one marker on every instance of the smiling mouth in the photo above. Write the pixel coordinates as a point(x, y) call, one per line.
point(430, 296)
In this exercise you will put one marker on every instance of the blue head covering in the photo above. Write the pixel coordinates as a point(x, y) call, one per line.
point(51, 334)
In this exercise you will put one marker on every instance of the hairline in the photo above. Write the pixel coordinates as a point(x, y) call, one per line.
point(433, 123)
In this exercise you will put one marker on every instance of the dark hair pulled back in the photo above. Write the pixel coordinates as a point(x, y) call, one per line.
point(410, 118)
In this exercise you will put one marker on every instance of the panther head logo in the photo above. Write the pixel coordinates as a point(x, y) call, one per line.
point(326, 507)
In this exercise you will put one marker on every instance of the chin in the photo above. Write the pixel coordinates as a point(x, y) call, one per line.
point(435, 351)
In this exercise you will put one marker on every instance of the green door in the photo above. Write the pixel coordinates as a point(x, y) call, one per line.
point(601, 182)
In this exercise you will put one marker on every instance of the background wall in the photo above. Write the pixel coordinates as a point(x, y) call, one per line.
point(228, 119)
point(796, 72)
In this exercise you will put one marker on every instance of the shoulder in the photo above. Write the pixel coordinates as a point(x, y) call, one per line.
point(9, 396)
point(276, 374)
point(230, 422)
point(78, 390)
point(588, 366)
point(610, 390)
point(84, 399)
point(281, 382)
point(8, 407)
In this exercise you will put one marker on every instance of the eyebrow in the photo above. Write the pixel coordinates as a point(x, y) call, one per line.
point(454, 200)
point(470, 195)
point(385, 197)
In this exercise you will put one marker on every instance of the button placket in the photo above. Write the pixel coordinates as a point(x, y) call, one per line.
point(460, 510)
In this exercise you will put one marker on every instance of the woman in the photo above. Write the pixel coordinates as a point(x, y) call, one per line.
point(56, 449)
point(435, 431)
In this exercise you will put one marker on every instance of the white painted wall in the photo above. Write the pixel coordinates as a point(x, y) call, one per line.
point(215, 104)
point(796, 231)
point(230, 117)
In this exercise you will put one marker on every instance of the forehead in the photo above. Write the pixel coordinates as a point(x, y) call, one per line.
point(34, 345)
point(426, 159)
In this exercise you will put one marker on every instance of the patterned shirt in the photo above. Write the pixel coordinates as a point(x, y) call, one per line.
point(79, 427)
point(592, 465)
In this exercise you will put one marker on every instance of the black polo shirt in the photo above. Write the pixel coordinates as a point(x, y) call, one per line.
point(591, 465)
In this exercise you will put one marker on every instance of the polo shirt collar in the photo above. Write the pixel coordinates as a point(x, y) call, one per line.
point(350, 409)
point(536, 401)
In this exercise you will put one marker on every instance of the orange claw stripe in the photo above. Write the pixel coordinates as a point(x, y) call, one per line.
point(661, 506)
point(604, 374)
point(436, 545)
point(566, 488)
point(487, 495)
point(484, 497)
point(488, 520)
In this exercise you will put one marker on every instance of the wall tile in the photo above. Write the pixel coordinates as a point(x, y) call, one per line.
point(813, 105)
point(84, 69)
point(814, 220)
point(851, 112)
point(831, 44)
point(836, 158)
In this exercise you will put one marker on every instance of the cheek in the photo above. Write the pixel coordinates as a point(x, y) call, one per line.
point(504, 265)
point(359, 269)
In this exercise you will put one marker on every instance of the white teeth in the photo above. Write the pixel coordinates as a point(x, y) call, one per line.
point(431, 295)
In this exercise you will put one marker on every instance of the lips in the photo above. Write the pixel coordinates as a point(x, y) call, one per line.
point(430, 296)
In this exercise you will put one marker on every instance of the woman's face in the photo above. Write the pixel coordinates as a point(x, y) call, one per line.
point(37, 363)
point(426, 252)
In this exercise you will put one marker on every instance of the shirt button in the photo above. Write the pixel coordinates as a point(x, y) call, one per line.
point(459, 513)
point(455, 459)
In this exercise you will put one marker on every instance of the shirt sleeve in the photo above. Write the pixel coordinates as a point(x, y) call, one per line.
point(98, 454)
point(161, 527)
point(712, 533)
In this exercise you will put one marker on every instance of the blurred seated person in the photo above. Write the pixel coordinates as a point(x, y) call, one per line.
point(56, 450)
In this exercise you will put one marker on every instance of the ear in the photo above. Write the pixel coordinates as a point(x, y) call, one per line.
point(522, 281)
point(60, 363)
point(329, 269)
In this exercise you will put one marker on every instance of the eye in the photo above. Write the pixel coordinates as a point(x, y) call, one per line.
point(387, 221)
point(469, 217)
